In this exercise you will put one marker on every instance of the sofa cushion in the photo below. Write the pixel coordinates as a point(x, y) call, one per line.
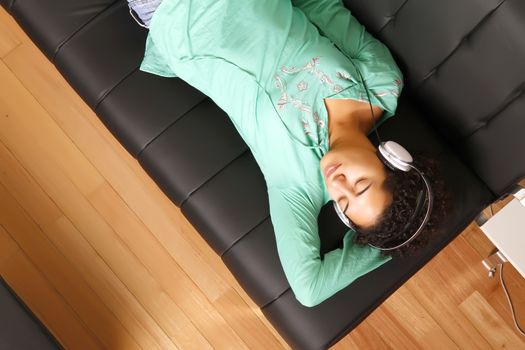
point(50, 24)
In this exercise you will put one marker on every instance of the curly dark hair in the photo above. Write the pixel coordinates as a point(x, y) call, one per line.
point(405, 187)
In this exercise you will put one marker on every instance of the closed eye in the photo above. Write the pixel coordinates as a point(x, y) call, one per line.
point(363, 191)
point(360, 193)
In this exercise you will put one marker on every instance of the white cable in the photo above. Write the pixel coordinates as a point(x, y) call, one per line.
point(508, 298)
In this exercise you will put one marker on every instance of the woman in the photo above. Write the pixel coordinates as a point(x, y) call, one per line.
point(285, 73)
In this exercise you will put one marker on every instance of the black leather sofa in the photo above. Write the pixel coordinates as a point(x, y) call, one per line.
point(464, 67)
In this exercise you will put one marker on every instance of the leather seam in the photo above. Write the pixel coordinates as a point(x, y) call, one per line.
point(460, 43)
point(244, 235)
point(169, 126)
point(511, 97)
point(276, 298)
point(211, 177)
point(66, 40)
point(104, 95)
point(392, 17)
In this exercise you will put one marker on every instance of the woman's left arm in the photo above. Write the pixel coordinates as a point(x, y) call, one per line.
point(381, 73)
point(313, 278)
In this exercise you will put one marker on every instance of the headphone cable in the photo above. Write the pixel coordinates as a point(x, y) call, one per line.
point(509, 300)
point(369, 101)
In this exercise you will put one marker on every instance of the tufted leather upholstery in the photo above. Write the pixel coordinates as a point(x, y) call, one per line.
point(465, 61)
point(464, 102)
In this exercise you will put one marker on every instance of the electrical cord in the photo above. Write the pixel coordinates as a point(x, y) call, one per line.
point(505, 287)
point(509, 300)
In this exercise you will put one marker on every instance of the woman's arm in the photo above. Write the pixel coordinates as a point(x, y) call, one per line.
point(383, 77)
point(294, 217)
point(337, 23)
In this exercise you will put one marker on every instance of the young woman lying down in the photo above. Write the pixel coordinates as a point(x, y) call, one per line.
point(287, 73)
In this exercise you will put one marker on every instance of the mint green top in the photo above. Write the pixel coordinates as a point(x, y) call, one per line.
point(267, 65)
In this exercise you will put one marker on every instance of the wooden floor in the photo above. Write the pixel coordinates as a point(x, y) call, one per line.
point(105, 260)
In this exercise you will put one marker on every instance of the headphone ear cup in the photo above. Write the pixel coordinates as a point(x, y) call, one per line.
point(395, 155)
point(343, 217)
point(385, 161)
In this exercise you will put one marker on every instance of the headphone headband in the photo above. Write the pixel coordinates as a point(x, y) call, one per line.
point(427, 214)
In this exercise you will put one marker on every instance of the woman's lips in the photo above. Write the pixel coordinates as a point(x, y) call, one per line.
point(330, 170)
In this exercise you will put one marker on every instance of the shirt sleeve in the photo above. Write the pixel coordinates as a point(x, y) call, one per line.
point(153, 61)
point(337, 23)
point(294, 215)
point(382, 75)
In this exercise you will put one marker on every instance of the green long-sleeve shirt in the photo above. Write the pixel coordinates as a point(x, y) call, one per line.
point(269, 64)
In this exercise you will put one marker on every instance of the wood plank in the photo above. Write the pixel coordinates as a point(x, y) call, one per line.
point(498, 301)
point(491, 289)
point(242, 318)
point(394, 333)
point(165, 270)
point(489, 323)
point(65, 279)
point(432, 288)
point(416, 321)
point(45, 158)
point(8, 36)
point(7, 246)
point(513, 279)
point(80, 254)
point(42, 299)
point(363, 337)
point(161, 217)
point(142, 195)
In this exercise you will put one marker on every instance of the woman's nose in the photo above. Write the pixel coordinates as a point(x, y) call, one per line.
point(341, 184)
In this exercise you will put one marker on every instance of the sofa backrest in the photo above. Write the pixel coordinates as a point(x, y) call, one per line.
point(465, 63)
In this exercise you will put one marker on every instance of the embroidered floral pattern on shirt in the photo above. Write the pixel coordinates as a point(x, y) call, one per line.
point(302, 85)
point(394, 92)
point(344, 75)
point(287, 98)
point(318, 120)
point(311, 67)
point(380, 94)
point(305, 127)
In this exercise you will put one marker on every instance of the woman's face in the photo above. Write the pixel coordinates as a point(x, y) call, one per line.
point(357, 183)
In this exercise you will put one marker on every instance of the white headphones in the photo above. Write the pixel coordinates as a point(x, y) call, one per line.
point(397, 158)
